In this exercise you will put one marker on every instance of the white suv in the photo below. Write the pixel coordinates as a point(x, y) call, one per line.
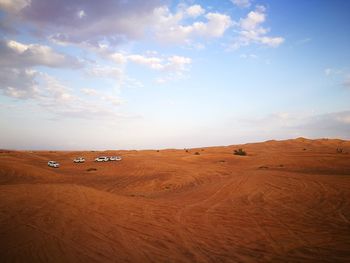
point(102, 159)
point(115, 158)
point(53, 164)
point(79, 160)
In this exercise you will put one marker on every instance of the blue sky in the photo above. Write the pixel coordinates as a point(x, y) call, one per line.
point(120, 74)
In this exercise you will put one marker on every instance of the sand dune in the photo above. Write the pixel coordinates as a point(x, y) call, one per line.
point(287, 201)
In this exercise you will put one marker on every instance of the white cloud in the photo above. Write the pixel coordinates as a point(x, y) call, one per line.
point(170, 66)
point(152, 62)
point(333, 71)
point(172, 63)
point(195, 10)
point(116, 101)
point(217, 24)
point(272, 41)
point(253, 19)
point(171, 28)
point(160, 63)
point(177, 63)
point(248, 56)
point(18, 78)
point(67, 21)
point(339, 75)
point(81, 14)
point(53, 96)
point(251, 31)
point(31, 84)
point(16, 54)
point(242, 3)
point(119, 58)
point(24, 86)
point(18, 82)
point(289, 125)
point(13, 6)
point(344, 117)
point(84, 109)
point(89, 92)
point(106, 72)
point(89, 22)
point(112, 99)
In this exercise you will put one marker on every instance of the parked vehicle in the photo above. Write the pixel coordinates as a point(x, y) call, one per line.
point(115, 158)
point(79, 160)
point(102, 159)
point(53, 164)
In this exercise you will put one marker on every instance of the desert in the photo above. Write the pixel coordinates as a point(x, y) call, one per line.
point(174, 131)
point(285, 201)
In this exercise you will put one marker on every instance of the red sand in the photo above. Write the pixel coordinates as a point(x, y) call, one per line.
point(287, 201)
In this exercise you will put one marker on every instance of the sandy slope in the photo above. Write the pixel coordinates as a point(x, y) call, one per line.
point(286, 201)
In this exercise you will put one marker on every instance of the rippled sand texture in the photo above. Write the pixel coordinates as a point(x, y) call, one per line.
point(287, 201)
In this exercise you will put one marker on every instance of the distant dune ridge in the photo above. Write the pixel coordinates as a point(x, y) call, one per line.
point(286, 201)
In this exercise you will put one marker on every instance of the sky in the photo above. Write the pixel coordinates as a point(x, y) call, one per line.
point(122, 74)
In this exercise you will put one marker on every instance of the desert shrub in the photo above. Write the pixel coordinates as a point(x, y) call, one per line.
point(239, 152)
point(339, 150)
point(91, 169)
point(196, 153)
point(186, 150)
point(264, 167)
point(157, 151)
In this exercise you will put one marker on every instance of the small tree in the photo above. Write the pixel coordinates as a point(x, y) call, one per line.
point(239, 152)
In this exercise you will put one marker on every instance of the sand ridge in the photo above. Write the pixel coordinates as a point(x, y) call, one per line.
point(285, 201)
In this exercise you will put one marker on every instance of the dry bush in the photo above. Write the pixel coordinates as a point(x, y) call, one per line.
point(239, 152)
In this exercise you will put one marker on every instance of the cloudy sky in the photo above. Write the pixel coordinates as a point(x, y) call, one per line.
point(122, 74)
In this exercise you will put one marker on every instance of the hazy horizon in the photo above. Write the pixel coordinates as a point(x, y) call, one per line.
point(165, 147)
point(116, 74)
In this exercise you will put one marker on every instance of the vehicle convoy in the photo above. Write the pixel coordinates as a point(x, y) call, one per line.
point(115, 158)
point(79, 160)
point(53, 164)
point(102, 159)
